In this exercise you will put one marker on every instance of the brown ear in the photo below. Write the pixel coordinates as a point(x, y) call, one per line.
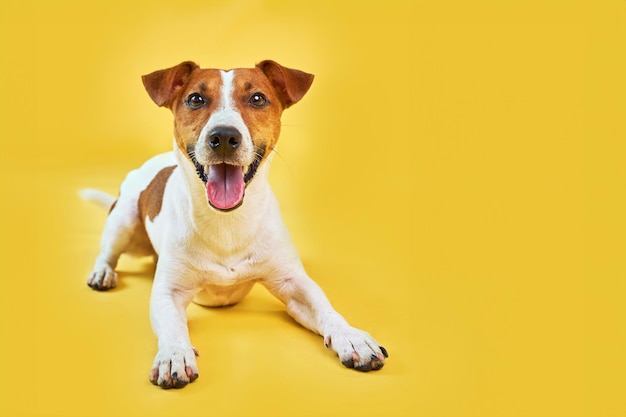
point(162, 85)
point(290, 84)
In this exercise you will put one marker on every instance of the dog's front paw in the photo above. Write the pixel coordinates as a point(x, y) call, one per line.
point(356, 349)
point(102, 278)
point(174, 367)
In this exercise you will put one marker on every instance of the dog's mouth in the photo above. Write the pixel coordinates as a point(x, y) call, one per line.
point(225, 183)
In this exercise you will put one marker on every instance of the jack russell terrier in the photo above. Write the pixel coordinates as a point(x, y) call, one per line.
point(208, 212)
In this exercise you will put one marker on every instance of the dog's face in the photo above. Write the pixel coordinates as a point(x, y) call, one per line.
point(227, 122)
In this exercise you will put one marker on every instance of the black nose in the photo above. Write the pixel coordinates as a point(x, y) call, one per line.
point(224, 140)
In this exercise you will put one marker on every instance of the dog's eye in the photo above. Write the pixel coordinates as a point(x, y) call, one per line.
point(258, 100)
point(195, 101)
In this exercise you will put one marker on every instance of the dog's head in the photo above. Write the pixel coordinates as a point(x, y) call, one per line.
point(227, 122)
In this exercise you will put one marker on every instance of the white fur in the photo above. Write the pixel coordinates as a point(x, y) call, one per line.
point(215, 258)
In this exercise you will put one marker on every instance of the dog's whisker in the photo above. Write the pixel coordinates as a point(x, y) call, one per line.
point(280, 156)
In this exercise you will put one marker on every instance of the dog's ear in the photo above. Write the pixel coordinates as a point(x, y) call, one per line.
point(290, 84)
point(163, 85)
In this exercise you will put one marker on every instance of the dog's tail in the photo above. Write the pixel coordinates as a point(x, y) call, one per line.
point(101, 198)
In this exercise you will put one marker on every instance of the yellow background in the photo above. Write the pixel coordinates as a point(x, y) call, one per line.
point(454, 180)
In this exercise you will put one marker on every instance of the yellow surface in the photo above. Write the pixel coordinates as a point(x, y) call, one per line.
point(454, 180)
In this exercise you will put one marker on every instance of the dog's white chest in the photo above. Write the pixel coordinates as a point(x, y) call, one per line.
point(227, 272)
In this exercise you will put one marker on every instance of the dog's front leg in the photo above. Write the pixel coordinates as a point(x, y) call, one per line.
point(308, 305)
point(175, 363)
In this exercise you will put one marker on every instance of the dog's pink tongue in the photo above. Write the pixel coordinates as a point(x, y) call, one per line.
point(225, 186)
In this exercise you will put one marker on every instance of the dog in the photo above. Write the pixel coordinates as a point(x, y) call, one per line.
point(207, 214)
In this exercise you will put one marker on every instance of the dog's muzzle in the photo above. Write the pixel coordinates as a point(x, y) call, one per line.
point(226, 183)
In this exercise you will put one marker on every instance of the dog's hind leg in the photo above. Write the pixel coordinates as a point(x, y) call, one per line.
point(123, 232)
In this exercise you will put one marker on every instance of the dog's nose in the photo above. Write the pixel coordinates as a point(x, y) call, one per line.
point(224, 140)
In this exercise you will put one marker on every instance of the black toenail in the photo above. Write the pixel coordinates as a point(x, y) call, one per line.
point(373, 357)
point(348, 363)
point(175, 375)
point(384, 351)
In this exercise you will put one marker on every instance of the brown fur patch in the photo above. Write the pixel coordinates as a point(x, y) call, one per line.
point(263, 123)
point(188, 123)
point(151, 199)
